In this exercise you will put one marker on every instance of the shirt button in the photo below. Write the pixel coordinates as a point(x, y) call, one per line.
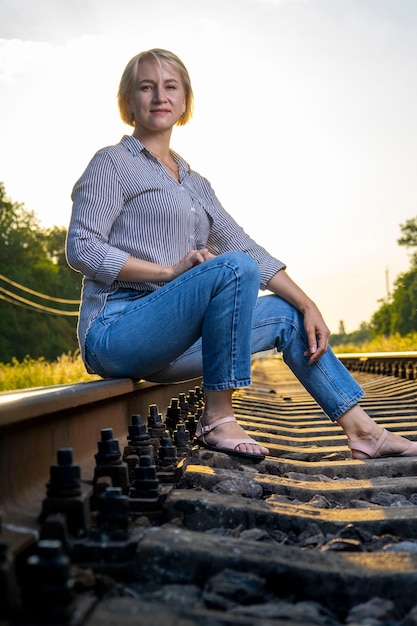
point(193, 209)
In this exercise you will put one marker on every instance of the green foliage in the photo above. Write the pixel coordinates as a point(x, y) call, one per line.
point(381, 320)
point(404, 304)
point(35, 258)
point(359, 336)
point(399, 315)
point(409, 233)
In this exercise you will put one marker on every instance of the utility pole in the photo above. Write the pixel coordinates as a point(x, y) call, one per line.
point(387, 284)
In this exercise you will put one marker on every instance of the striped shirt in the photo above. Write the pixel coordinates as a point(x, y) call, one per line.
point(126, 204)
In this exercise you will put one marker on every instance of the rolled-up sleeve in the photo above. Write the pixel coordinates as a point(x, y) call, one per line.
point(97, 202)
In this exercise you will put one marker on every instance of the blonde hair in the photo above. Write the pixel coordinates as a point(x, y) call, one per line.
point(130, 74)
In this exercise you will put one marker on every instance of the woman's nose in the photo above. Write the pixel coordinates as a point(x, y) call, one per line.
point(159, 95)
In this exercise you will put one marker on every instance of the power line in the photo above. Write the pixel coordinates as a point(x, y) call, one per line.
point(23, 306)
point(6, 299)
point(37, 293)
point(29, 303)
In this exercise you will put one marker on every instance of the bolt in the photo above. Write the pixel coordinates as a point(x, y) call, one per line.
point(173, 414)
point(110, 470)
point(65, 497)
point(113, 510)
point(191, 422)
point(65, 477)
point(154, 417)
point(47, 588)
point(167, 453)
point(137, 431)
point(8, 584)
point(108, 447)
point(182, 437)
point(145, 482)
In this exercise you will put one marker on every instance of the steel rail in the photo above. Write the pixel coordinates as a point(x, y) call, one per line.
point(35, 423)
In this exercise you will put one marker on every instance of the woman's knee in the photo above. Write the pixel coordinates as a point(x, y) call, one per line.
point(272, 306)
point(243, 263)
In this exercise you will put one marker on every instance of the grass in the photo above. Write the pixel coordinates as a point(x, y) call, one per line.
point(69, 368)
point(29, 373)
point(393, 343)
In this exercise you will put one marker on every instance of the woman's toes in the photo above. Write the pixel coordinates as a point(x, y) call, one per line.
point(252, 448)
point(396, 445)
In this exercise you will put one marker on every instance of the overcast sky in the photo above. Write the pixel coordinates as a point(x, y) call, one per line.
point(305, 121)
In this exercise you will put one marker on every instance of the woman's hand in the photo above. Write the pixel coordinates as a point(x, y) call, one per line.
point(317, 333)
point(136, 270)
point(193, 258)
point(314, 325)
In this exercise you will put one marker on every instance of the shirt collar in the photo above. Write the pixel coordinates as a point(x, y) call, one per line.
point(136, 147)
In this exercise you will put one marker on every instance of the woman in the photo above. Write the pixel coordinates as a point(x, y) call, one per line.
point(171, 281)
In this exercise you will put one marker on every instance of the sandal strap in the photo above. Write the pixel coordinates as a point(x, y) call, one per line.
point(362, 446)
point(231, 444)
point(213, 425)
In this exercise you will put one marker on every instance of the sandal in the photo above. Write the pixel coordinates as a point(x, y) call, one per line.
point(228, 446)
point(362, 450)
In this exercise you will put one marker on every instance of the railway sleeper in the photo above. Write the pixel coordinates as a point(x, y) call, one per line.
point(307, 536)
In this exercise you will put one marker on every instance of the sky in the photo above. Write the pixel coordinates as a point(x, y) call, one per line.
point(305, 121)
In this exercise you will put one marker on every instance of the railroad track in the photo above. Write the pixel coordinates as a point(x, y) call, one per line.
point(107, 520)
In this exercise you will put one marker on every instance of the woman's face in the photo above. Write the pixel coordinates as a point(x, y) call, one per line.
point(157, 100)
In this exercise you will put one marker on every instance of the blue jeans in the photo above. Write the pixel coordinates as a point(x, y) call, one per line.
point(208, 322)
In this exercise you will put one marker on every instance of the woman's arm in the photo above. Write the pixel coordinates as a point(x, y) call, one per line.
point(97, 202)
point(317, 332)
point(136, 270)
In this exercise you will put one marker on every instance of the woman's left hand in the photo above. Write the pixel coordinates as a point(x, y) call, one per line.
point(314, 325)
point(317, 333)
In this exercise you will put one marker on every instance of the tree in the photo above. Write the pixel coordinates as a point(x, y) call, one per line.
point(33, 258)
point(342, 330)
point(381, 321)
point(409, 237)
point(409, 231)
point(342, 338)
point(404, 304)
point(400, 314)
